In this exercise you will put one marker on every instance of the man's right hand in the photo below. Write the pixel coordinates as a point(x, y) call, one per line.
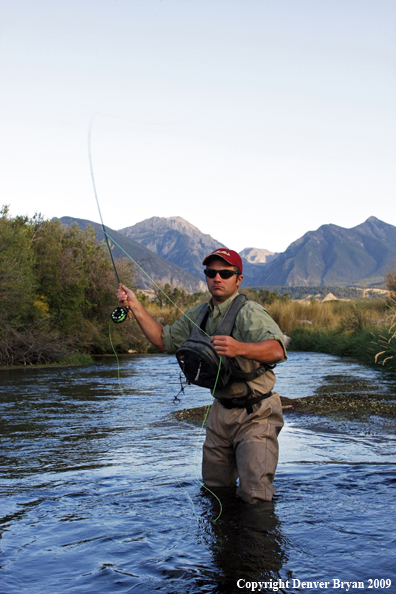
point(151, 328)
point(125, 296)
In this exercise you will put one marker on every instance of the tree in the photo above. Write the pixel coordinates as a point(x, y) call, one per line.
point(76, 277)
point(57, 289)
point(17, 278)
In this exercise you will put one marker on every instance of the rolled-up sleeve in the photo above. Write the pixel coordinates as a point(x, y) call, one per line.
point(254, 324)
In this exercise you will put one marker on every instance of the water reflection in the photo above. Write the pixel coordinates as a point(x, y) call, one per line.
point(247, 540)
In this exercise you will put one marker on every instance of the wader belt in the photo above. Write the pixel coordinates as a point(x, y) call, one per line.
point(243, 402)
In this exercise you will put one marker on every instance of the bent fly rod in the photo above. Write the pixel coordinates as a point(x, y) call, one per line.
point(120, 313)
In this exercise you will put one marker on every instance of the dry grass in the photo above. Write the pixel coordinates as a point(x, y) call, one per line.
point(387, 341)
point(334, 315)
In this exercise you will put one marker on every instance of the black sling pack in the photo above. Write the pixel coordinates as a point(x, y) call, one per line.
point(199, 360)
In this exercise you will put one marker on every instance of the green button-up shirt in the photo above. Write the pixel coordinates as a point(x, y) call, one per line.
point(253, 324)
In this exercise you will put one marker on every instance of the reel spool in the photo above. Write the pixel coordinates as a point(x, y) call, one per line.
point(120, 314)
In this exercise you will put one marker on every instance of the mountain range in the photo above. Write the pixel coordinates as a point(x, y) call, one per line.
point(172, 249)
point(333, 255)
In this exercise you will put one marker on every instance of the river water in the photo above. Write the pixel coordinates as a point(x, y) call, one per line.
point(100, 489)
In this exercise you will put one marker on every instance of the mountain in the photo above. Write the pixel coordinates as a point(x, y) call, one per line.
point(158, 268)
point(254, 261)
point(332, 255)
point(176, 240)
point(257, 256)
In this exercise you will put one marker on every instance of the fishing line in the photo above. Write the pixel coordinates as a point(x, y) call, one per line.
point(217, 377)
point(118, 316)
point(156, 439)
point(107, 237)
point(153, 436)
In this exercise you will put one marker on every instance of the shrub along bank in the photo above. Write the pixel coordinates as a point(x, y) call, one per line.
point(57, 289)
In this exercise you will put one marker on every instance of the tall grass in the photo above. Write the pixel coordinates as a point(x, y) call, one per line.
point(364, 330)
point(332, 315)
point(387, 341)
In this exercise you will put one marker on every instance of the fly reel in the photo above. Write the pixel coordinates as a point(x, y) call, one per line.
point(120, 314)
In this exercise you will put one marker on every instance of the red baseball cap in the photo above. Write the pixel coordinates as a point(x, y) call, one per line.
point(231, 257)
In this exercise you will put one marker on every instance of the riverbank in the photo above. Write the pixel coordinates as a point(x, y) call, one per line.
point(336, 404)
point(73, 361)
point(372, 346)
point(363, 331)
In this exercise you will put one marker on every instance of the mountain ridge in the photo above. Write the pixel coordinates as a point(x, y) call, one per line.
point(334, 255)
point(330, 255)
point(175, 239)
point(257, 255)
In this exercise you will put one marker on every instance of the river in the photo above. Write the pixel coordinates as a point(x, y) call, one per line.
point(100, 489)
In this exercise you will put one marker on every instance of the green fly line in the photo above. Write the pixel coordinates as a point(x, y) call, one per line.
point(107, 238)
point(154, 437)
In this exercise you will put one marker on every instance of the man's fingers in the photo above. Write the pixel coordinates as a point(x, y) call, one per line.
point(121, 295)
point(225, 345)
point(219, 339)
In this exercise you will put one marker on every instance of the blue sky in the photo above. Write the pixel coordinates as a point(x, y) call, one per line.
point(255, 120)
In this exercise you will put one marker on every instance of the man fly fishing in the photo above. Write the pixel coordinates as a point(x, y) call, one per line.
point(230, 345)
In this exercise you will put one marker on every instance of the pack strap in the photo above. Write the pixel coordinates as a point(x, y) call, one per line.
point(249, 376)
point(227, 323)
point(243, 402)
point(205, 319)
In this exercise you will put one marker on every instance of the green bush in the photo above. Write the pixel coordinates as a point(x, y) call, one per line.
point(362, 346)
point(57, 288)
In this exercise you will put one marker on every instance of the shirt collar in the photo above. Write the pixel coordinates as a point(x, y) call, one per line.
point(222, 307)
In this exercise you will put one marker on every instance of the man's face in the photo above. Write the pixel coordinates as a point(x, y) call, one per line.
point(222, 288)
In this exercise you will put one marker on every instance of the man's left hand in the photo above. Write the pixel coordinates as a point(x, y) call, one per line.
point(226, 346)
point(267, 351)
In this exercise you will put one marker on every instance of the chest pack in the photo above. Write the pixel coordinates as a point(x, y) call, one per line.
point(199, 360)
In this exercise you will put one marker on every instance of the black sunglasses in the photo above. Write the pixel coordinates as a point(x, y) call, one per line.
point(211, 273)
